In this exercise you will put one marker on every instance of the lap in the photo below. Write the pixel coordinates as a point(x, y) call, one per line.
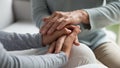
point(80, 55)
point(108, 54)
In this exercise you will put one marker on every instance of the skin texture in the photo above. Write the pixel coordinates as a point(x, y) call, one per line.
point(65, 42)
point(59, 20)
point(59, 24)
point(47, 39)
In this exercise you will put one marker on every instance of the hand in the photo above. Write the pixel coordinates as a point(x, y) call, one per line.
point(47, 39)
point(70, 40)
point(56, 46)
point(64, 43)
point(58, 20)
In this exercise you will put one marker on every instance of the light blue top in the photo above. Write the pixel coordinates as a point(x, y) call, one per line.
point(100, 16)
point(13, 41)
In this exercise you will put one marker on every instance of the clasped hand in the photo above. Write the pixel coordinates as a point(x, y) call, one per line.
point(62, 37)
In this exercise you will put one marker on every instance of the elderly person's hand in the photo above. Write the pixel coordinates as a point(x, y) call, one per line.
point(64, 43)
point(59, 19)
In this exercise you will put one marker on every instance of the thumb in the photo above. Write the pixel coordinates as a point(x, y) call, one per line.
point(76, 42)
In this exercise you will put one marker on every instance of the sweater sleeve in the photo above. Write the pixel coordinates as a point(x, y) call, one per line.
point(105, 15)
point(39, 10)
point(14, 41)
point(40, 61)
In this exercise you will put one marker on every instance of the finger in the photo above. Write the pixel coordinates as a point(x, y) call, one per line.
point(56, 17)
point(45, 28)
point(42, 27)
point(76, 42)
point(62, 32)
point(77, 29)
point(63, 24)
point(59, 44)
point(51, 48)
point(54, 26)
point(58, 34)
point(53, 15)
point(78, 26)
point(72, 37)
point(68, 43)
point(50, 38)
point(74, 28)
point(54, 20)
point(46, 19)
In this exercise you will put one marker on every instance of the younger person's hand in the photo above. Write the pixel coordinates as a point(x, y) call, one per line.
point(56, 46)
point(64, 43)
point(70, 39)
point(48, 39)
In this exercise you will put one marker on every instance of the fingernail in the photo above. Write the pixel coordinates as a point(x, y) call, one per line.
point(70, 31)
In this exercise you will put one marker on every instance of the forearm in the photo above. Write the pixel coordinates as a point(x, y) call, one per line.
point(104, 16)
point(40, 61)
point(14, 41)
point(40, 10)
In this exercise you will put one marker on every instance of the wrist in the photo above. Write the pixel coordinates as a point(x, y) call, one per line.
point(66, 51)
point(84, 17)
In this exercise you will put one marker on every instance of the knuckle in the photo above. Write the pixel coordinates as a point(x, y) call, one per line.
point(58, 21)
point(62, 19)
point(49, 22)
point(56, 12)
